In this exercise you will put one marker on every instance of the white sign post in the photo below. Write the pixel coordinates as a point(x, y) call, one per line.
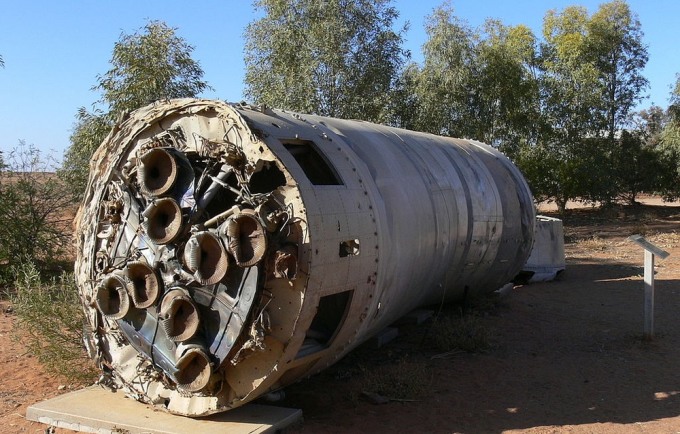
point(650, 252)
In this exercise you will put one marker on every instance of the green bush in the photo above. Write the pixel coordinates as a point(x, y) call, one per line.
point(35, 212)
point(50, 322)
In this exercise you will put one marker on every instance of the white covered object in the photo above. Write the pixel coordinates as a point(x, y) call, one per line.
point(546, 261)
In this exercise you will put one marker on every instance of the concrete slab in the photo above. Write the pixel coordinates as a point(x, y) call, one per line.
point(416, 317)
point(96, 410)
point(384, 336)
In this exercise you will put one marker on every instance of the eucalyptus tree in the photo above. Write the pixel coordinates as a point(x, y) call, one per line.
point(151, 64)
point(336, 58)
point(619, 54)
point(641, 160)
point(591, 79)
point(507, 103)
point(88, 133)
point(570, 95)
point(148, 65)
point(444, 85)
point(673, 123)
point(592, 68)
point(571, 89)
point(670, 144)
point(405, 109)
point(475, 83)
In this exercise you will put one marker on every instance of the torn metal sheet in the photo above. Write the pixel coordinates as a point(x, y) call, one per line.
point(225, 251)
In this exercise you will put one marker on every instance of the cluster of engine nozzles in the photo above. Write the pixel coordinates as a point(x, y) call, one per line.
point(204, 254)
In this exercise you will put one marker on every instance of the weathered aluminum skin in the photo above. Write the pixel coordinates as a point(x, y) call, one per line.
point(363, 224)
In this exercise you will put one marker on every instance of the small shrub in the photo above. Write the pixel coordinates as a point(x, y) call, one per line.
point(666, 240)
point(405, 380)
point(594, 243)
point(50, 322)
point(639, 229)
point(486, 304)
point(35, 209)
point(460, 332)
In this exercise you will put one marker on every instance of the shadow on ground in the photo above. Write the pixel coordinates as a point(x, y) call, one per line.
point(564, 353)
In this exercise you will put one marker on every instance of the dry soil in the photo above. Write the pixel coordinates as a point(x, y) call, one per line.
point(563, 357)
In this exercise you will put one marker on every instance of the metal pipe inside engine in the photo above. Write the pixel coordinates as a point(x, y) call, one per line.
point(157, 172)
point(143, 285)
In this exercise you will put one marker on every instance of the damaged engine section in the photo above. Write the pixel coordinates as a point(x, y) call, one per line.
point(225, 251)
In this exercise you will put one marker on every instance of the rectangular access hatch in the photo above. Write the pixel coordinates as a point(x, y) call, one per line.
point(316, 166)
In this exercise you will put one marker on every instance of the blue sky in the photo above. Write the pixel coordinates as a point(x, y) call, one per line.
point(54, 50)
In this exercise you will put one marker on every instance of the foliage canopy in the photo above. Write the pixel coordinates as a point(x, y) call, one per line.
point(335, 58)
point(150, 64)
point(556, 105)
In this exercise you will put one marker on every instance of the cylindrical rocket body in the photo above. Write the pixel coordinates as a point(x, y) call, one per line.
point(333, 229)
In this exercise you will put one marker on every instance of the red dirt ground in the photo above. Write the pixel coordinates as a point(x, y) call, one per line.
point(565, 356)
